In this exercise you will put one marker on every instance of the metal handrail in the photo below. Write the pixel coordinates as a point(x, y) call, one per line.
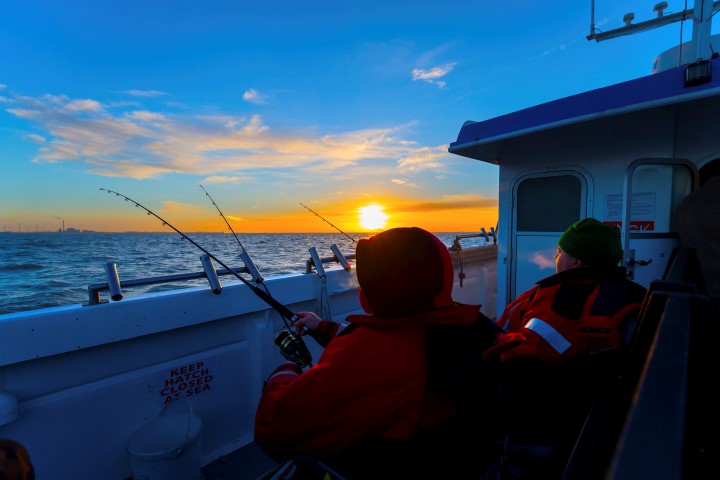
point(95, 288)
point(487, 235)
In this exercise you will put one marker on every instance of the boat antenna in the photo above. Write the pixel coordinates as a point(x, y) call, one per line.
point(291, 346)
point(321, 218)
point(249, 264)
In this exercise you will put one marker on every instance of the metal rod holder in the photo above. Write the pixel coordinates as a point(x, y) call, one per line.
point(113, 281)
point(251, 268)
point(316, 260)
point(211, 274)
point(340, 257)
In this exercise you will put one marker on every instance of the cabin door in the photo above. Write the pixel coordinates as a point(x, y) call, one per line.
point(544, 206)
point(654, 187)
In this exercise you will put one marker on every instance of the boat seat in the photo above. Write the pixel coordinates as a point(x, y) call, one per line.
point(659, 417)
point(698, 220)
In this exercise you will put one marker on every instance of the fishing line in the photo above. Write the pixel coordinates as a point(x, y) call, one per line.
point(82, 223)
point(249, 264)
point(321, 218)
point(291, 346)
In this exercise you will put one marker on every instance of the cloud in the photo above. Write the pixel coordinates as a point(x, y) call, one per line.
point(423, 158)
point(142, 143)
point(226, 179)
point(431, 76)
point(253, 96)
point(399, 181)
point(84, 105)
point(448, 202)
point(35, 138)
point(2, 86)
point(145, 93)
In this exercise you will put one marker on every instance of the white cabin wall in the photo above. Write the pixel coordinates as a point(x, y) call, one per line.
point(603, 148)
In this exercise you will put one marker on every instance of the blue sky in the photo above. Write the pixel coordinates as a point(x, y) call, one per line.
point(330, 103)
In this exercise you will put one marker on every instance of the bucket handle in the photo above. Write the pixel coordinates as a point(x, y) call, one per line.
point(181, 448)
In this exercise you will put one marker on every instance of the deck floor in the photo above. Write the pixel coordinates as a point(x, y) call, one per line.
point(246, 463)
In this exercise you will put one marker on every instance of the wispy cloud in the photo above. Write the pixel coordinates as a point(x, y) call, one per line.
point(400, 181)
point(433, 75)
point(559, 48)
point(35, 138)
point(423, 158)
point(226, 179)
point(143, 143)
point(448, 202)
point(145, 93)
point(253, 96)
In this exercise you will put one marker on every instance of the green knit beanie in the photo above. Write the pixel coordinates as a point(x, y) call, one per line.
point(593, 242)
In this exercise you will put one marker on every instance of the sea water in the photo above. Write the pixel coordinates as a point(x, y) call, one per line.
point(39, 270)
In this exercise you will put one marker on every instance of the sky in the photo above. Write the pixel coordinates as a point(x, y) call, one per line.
point(277, 108)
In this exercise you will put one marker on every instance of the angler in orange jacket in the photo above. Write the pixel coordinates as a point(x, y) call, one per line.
point(563, 338)
point(369, 399)
point(588, 306)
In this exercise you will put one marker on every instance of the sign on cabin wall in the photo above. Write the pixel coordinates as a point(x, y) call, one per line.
point(185, 381)
point(642, 211)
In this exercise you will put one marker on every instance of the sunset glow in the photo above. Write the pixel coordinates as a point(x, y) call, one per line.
point(372, 217)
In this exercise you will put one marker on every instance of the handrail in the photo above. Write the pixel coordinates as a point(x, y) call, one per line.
point(487, 236)
point(95, 288)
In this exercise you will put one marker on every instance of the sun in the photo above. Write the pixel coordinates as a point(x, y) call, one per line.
point(372, 217)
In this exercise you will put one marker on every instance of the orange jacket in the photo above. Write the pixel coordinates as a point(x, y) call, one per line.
point(578, 311)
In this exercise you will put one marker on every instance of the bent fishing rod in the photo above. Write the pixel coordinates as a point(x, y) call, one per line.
point(291, 346)
point(321, 218)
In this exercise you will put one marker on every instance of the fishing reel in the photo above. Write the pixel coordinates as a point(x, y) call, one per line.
point(293, 348)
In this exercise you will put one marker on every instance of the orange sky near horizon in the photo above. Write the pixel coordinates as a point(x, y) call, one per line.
point(467, 216)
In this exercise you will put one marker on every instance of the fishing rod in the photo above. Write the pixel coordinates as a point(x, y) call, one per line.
point(249, 264)
point(291, 346)
point(321, 218)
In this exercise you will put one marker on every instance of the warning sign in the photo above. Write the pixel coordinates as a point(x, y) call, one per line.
point(642, 211)
point(185, 381)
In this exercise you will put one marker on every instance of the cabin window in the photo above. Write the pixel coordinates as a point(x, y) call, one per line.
point(657, 192)
point(548, 204)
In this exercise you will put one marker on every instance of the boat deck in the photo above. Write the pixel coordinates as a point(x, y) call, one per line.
point(246, 463)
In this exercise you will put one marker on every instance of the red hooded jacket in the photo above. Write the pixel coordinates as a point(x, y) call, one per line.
point(372, 379)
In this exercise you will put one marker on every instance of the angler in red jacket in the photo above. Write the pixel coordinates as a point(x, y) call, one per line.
point(368, 406)
point(562, 339)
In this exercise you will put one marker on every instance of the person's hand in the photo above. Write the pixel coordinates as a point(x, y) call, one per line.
point(306, 320)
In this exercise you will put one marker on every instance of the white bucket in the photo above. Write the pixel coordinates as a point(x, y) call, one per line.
point(168, 447)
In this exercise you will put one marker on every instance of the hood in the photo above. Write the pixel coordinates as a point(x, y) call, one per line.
point(403, 271)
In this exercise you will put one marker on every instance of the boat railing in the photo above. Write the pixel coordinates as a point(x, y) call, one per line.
point(114, 286)
point(488, 236)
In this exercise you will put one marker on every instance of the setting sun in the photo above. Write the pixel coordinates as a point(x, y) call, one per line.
point(372, 217)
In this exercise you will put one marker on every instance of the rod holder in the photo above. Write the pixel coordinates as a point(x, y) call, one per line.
point(113, 281)
point(340, 257)
point(251, 268)
point(485, 234)
point(211, 274)
point(318, 263)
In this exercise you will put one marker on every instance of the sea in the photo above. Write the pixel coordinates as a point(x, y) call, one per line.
point(50, 269)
